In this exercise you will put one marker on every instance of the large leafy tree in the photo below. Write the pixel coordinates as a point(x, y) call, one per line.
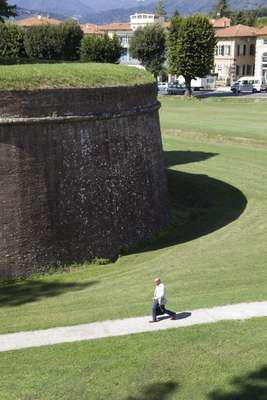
point(102, 49)
point(172, 41)
point(148, 46)
point(221, 9)
point(191, 48)
point(6, 11)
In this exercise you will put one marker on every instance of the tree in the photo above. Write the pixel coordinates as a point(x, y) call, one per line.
point(261, 22)
point(148, 46)
point(192, 54)
point(6, 11)
point(160, 8)
point(54, 42)
point(72, 35)
point(174, 32)
point(102, 49)
point(221, 9)
point(244, 17)
point(11, 43)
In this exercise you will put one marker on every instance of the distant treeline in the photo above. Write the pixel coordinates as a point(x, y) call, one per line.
point(48, 43)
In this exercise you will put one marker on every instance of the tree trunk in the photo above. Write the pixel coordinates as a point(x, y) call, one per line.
point(188, 89)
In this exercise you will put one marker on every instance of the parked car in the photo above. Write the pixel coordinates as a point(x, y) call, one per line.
point(176, 88)
point(248, 84)
point(163, 87)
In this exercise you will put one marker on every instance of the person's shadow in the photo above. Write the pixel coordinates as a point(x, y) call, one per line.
point(181, 315)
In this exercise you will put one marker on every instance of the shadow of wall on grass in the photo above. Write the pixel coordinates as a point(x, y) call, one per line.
point(29, 291)
point(252, 386)
point(186, 157)
point(200, 204)
point(157, 391)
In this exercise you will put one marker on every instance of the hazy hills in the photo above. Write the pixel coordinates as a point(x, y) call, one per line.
point(104, 11)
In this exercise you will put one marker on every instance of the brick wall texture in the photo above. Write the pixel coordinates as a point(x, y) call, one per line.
point(82, 175)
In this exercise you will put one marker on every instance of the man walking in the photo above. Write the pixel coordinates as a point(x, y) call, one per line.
point(159, 301)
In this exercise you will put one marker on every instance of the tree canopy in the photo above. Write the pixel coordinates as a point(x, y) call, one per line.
point(191, 48)
point(6, 11)
point(101, 49)
point(160, 8)
point(221, 9)
point(148, 46)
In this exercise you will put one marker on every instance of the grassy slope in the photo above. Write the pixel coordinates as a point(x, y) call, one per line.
point(69, 75)
point(226, 266)
point(225, 361)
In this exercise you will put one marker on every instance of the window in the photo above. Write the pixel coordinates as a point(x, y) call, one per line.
point(252, 50)
point(265, 41)
point(237, 70)
point(220, 50)
point(244, 70)
point(249, 70)
point(244, 49)
point(238, 49)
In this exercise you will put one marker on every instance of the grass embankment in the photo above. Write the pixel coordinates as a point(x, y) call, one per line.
point(213, 180)
point(226, 361)
point(70, 75)
point(216, 254)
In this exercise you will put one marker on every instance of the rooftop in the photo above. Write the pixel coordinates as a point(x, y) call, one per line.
point(116, 26)
point(221, 23)
point(236, 31)
point(262, 31)
point(38, 20)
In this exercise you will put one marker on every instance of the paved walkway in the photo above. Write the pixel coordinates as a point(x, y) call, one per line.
point(128, 326)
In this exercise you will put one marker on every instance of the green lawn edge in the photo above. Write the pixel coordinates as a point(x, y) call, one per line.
point(70, 75)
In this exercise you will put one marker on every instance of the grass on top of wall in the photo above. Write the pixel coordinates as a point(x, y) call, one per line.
point(70, 75)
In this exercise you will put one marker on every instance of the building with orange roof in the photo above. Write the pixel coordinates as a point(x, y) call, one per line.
point(261, 55)
point(235, 52)
point(38, 20)
point(91, 29)
point(220, 23)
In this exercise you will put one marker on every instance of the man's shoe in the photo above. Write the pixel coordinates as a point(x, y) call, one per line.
point(173, 318)
point(152, 321)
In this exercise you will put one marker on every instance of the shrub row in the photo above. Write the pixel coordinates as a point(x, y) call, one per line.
point(55, 42)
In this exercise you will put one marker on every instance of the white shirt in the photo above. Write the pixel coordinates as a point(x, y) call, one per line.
point(159, 294)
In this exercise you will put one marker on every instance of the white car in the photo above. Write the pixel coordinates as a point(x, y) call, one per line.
point(163, 87)
point(248, 84)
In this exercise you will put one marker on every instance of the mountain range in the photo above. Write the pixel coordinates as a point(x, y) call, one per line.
point(103, 11)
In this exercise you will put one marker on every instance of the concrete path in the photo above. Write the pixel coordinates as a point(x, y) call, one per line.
point(128, 326)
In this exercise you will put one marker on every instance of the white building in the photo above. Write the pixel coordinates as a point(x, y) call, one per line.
point(261, 55)
point(141, 20)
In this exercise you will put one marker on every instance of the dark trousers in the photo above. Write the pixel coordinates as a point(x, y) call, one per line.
point(158, 309)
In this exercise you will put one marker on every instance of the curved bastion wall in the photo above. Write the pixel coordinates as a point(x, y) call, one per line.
point(82, 175)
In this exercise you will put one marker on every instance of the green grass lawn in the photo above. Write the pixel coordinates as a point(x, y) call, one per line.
point(225, 361)
point(68, 75)
point(214, 254)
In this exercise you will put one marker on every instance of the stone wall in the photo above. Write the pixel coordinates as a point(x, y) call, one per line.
point(82, 175)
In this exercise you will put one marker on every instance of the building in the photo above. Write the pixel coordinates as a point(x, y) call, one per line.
point(141, 20)
point(261, 55)
point(124, 33)
point(91, 29)
point(235, 52)
point(220, 23)
point(38, 20)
